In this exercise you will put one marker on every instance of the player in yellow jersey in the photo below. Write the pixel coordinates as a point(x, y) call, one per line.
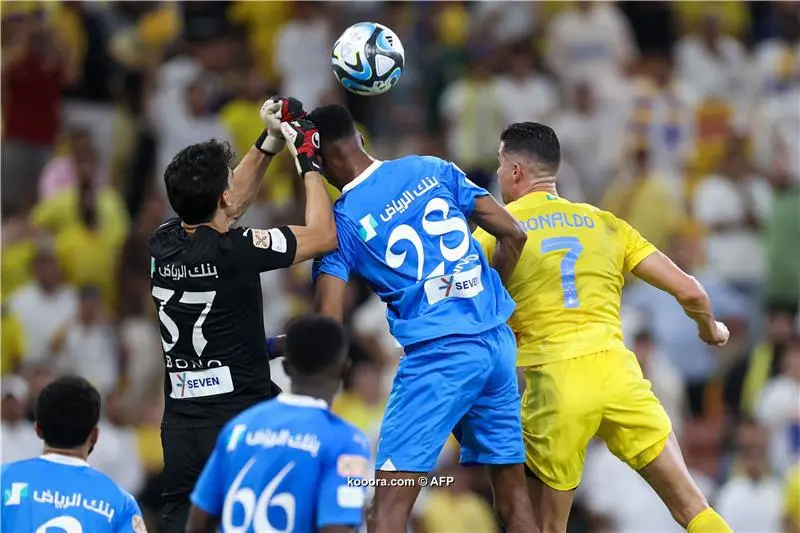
point(581, 380)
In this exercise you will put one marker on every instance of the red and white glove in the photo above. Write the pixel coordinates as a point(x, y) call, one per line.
point(274, 111)
point(303, 143)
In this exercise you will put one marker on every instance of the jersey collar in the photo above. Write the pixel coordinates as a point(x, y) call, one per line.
point(363, 176)
point(63, 459)
point(299, 400)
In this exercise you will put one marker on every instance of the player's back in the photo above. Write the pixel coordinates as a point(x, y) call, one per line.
point(207, 290)
point(568, 282)
point(294, 456)
point(59, 493)
point(402, 226)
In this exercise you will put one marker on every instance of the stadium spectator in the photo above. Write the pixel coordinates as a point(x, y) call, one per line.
point(362, 403)
point(18, 438)
point(62, 171)
point(712, 64)
point(87, 347)
point(751, 499)
point(119, 440)
point(733, 204)
point(525, 94)
point(667, 383)
point(645, 199)
point(779, 410)
point(12, 342)
point(589, 133)
point(308, 35)
point(43, 306)
point(473, 116)
point(791, 501)
point(590, 43)
point(18, 249)
point(777, 60)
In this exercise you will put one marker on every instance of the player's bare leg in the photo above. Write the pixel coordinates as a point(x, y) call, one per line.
point(551, 507)
point(670, 478)
point(391, 506)
point(511, 499)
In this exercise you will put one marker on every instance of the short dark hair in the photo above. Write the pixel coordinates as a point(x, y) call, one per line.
point(313, 342)
point(334, 122)
point(67, 411)
point(534, 139)
point(196, 178)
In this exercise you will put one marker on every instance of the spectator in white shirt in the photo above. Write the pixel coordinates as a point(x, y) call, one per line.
point(777, 61)
point(180, 111)
point(116, 453)
point(593, 43)
point(505, 22)
point(473, 117)
point(778, 409)
point(733, 205)
point(525, 94)
point(89, 347)
point(43, 306)
point(712, 64)
point(751, 500)
point(666, 381)
point(19, 440)
point(590, 139)
point(302, 54)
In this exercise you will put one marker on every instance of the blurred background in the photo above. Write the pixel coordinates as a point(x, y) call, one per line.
point(682, 118)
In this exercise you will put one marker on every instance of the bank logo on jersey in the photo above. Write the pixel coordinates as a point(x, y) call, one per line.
point(195, 384)
point(368, 225)
point(15, 494)
point(466, 284)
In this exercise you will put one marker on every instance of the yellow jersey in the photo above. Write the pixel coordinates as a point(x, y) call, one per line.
point(568, 282)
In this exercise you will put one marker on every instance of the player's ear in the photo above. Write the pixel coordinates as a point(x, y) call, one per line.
point(288, 367)
point(38, 429)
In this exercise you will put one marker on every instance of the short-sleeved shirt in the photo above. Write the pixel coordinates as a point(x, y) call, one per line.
point(207, 290)
point(568, 282)
point(59, 493)
point(295, 465)
point(402, 226)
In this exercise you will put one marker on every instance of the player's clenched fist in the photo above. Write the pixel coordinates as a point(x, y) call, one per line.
point(274, 111)
point(303, 140)
point(716, 336)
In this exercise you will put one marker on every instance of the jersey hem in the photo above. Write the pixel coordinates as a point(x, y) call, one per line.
point(530, 359)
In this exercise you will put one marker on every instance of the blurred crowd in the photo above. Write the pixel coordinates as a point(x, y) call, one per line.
point(683, 118)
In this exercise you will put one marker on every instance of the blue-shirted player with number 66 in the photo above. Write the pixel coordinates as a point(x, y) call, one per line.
point(403, 226)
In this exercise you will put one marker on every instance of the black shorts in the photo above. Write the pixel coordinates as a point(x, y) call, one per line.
point(186, 451)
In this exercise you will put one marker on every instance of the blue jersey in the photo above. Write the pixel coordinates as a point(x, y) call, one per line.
point(56, 493)
point(402, 226)
point(287, 464)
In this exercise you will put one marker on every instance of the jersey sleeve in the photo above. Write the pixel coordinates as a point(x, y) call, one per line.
point(341, 502)
point(261, 250)
point(209, 494)
point(130, 520)
point(463, 190)
point(636, 247)
point(337, 263)
point(487, 242)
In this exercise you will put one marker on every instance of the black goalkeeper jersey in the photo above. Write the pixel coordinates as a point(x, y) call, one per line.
point(207, 290)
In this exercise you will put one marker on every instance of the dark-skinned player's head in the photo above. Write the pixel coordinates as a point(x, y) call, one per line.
point(67, 411)
point(316, 353)
point(197, 181)
point(339, 142)
point(529, 153)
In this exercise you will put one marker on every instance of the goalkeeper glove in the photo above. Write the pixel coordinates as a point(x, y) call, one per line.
point(303, 140)
point(274, 111)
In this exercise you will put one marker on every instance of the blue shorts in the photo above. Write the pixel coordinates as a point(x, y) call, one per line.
point(466, 385)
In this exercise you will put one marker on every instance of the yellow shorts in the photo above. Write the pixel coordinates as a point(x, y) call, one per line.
point(566, 403)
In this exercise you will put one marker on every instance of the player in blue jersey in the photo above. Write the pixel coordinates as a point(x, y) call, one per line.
point(403, 226)
point(289, 464)
point(59, 491)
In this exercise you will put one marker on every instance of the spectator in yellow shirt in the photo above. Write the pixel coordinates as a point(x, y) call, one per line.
point(363, 402)
point(12, 342)
point(454, 508)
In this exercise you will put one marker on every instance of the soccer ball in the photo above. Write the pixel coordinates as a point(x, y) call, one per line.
point(368, 59)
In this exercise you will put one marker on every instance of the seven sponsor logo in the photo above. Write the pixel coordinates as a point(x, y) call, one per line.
point(457, 285)
point(195, 384)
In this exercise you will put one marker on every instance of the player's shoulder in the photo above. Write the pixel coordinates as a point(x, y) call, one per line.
point(346, 437)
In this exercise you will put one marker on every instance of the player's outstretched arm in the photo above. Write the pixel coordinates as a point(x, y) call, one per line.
point(248, 174)
point(495, 220)
point(318, 236)
point(659, 271)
